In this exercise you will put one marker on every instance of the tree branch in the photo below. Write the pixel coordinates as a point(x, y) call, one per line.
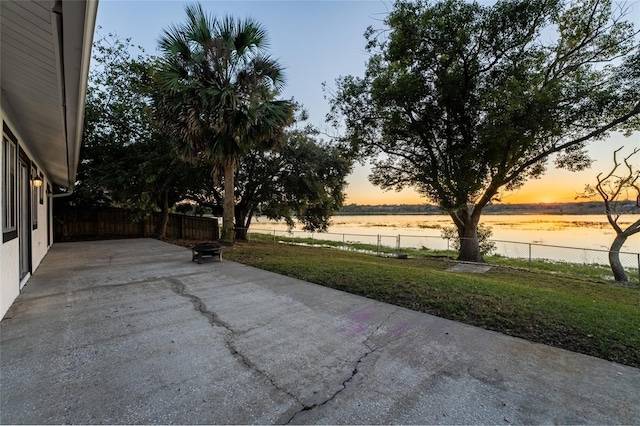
point(543, 155)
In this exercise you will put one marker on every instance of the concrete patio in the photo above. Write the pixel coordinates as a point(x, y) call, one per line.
point(132, 331)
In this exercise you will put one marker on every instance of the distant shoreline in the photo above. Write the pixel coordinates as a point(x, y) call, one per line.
point(582, 208)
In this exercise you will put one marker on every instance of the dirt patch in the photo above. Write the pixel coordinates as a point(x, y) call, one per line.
point(474, 268)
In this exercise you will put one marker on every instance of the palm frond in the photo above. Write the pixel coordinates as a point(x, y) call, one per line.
point(269, 119)
point(269, 68)
point(216, 87)
point(173, 42)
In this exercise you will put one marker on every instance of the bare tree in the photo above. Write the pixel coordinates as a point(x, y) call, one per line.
point(618, 192)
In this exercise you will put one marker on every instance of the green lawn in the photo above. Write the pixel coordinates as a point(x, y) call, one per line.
point(595, 318)
point(579, 270)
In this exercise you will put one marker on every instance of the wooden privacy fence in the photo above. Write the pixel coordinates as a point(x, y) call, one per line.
point(76, 224)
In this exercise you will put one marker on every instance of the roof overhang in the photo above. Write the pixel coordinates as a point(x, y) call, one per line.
point(46, 50)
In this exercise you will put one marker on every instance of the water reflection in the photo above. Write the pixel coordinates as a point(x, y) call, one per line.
point(581, 231)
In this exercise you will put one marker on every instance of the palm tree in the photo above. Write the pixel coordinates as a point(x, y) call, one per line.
point(217, 91)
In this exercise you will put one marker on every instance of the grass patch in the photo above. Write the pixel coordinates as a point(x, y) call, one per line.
point(597, 319)
point(578, 270)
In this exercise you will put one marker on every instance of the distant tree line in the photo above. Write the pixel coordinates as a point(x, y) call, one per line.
point(357, 209)
point(575, 208)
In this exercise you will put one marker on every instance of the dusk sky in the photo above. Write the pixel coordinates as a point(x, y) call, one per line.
point(318, 41)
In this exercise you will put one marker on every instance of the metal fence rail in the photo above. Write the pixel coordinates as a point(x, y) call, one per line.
point(396, 245)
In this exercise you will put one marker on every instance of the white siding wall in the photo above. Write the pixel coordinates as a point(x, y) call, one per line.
point(9, 251)
point(9, 281)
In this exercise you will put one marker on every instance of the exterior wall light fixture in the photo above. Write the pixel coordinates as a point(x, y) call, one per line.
point(37, 181)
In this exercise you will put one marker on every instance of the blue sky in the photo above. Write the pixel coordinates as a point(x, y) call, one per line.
point(315, 41)
point(318, 41)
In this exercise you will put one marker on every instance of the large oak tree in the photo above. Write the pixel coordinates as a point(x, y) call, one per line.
point(464, 101)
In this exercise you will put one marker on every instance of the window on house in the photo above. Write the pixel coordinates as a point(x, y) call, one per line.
point(9, 187)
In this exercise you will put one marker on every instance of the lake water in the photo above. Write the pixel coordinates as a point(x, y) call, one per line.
point(591, 232)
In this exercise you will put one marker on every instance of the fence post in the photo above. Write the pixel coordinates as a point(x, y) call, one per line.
point(274, 236)
point(378, 250)
point(638, 268)
point(529, 256)
point(398, 246)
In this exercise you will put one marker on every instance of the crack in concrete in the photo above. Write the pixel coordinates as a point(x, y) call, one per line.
point(180, 289)
point(354, 372)
point(26, 297)
point(148, 280)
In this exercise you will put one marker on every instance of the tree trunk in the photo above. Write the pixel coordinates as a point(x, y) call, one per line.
point(467, 225)
point(241, 228)
point(229, 202)
point(161, 226)
point(619, 274)
point(241, 234)
point(244, 214)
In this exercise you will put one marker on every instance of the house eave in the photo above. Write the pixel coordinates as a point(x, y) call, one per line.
point(46, 50)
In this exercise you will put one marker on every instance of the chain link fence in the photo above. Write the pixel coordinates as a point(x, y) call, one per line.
point(582, 262)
